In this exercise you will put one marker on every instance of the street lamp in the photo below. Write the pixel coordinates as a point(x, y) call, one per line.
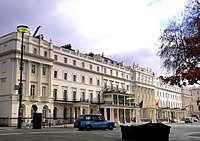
point(22, 29)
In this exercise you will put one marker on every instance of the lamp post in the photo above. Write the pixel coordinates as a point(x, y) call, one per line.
point(22, 29)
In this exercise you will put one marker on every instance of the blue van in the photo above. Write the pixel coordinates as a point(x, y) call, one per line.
point(92, 121)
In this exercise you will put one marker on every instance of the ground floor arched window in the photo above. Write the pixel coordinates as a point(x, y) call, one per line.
point(45, 111)
point(55, 111)
point(65, 113)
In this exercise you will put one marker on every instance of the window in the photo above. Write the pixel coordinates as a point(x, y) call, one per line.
point(91, 111)
point(91, 96)
point(33, 68)
point(122, 75)
point(45, 53)
point(83, 64)
point(4, 67)
point(65, 95)
point(74, 95)
point(65, 60)
point(127, 87)
point(83, 79)
point(55, 74)
point(111, 72)
point(32, 91)
point(98, 69)
point(90, 67)
point(55, 113)
point(104, 70)
point(55, 94)
point(44, 70)
point(74, 78)
point(74, 62)
point(34, 51)
point(83, 96)
point(91, 81)
point(55, 57)
point(65, 76)
point(98, 82)
point(44, 89)
point(116, 73)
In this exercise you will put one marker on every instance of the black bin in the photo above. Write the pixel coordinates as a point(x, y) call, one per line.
point(37, 120)
point(146, 132)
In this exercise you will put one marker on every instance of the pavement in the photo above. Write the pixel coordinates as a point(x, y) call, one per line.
point(178, 132)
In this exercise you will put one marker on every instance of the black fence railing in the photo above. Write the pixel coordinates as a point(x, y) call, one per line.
point(27, 122)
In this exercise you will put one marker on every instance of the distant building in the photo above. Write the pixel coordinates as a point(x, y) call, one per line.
point(194, 98)
point(62, 83)
point(169, 101)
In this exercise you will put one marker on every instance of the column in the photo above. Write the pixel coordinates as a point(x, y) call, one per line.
point(73, 112)
point(124, 100)
point(27, 87)
point(117, 99)
point(118, 115)
point(124, 110)
point(81, 110)
point(105, 113)
point(137, 115)
point(49, 92)
point(88, 110)
point(39, 80)
point(111, 114)
point(112, 99)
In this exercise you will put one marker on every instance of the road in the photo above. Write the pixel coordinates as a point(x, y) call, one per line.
point(179, 132)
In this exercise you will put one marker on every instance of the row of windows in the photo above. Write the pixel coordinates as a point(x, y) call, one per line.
point(83, 64)
point(166, 95)
point(65, 94)
point(145, 79)
point(74, 62)
point(169, 104)
point(33, 91)
point(44, 52)
point(74, 95)
point(74, 78)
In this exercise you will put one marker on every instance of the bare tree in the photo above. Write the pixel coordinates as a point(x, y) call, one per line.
point(180, 49)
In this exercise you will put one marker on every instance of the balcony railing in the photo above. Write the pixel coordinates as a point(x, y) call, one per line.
point(67, 100)
point(87, 101)
point(108, 89)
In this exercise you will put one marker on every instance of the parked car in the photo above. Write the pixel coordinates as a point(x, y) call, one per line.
point(191, 119)
point(173, 120)
point(188, 120)
point(92, 121)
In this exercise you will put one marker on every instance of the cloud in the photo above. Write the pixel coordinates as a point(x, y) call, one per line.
point(123, 29)
point(143, 57)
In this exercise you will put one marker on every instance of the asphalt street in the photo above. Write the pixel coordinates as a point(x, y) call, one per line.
point(178, 132)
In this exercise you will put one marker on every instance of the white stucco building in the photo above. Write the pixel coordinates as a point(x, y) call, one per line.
point(169, 101)
point(63, 83)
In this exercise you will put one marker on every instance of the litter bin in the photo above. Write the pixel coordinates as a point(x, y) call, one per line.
point(37, 120)
point(145, 132)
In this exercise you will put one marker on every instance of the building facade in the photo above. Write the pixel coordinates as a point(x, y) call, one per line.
point(194, 101)
point(62, 83)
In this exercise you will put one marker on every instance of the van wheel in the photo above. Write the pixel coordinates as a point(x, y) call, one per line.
point(110, 127)
point(88, 127)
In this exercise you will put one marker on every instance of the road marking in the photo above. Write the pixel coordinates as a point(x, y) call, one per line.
point(5, 134)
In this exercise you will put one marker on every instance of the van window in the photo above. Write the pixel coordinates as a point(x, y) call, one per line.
point(88, 118)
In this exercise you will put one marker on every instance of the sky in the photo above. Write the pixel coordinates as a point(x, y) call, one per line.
point(124, 30)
